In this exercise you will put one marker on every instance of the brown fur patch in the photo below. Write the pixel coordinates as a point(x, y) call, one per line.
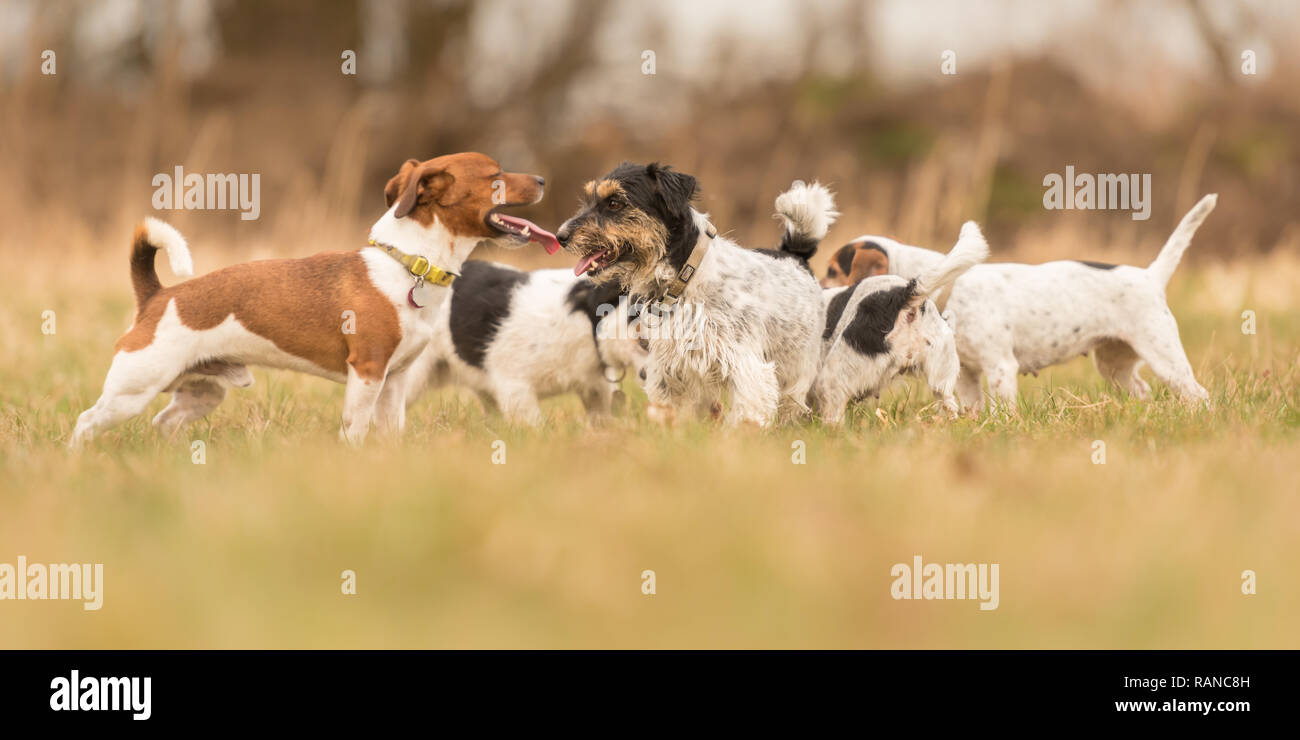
point(607, 188)
point(458, 190)
point(868, 263)
point(296, 303)
point(144, 277)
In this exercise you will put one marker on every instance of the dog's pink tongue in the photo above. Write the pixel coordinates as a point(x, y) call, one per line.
point(535, 232)
point(585, 262)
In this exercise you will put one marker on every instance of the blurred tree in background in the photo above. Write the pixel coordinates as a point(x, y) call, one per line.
point(748, 96)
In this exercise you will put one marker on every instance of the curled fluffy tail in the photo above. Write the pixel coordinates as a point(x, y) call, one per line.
point(970, 250)
point(808, 212)
point(150, 236)
point(1171, 253)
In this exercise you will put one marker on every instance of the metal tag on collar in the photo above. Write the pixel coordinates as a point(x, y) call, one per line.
point(420, 267)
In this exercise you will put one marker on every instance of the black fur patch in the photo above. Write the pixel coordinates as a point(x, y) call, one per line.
point(835, 309)
point(1097, 265)
point(799, 246)
point(875, 317)
point(480, 301)
point(586, 297)
point(844, 258)
point(781, 254)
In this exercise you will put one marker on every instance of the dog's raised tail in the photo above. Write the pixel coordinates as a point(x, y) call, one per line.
point(970, 250)
point(1171, 253)
point(808, 212)
point(150, 236)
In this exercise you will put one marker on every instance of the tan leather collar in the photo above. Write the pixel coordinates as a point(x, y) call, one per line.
point(684, 275)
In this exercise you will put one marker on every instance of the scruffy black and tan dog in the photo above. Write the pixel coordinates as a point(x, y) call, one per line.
point(723, 318)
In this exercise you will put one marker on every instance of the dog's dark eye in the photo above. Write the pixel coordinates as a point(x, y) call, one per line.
point(614, 204)
point(645, 343)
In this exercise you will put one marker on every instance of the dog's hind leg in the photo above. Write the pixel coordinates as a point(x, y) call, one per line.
point(108, 412)
point(1156, 342)
point(134, 379)
point(193, 399)
point(200, 390)
point(1118, 363)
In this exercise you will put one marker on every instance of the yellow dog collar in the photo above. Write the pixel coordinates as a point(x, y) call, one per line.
point(418, 266)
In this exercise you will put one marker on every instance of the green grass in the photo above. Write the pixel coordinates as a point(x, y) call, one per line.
point(749, 549)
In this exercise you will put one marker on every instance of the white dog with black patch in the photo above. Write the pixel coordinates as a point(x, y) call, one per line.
point(728, 319)
point(1011, 318)
point(885, 325)
point(516, 337)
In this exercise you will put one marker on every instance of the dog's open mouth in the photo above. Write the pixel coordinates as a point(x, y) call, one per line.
point(596, 261)
point(522, 228)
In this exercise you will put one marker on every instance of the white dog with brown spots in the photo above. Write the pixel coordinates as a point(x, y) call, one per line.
point(356, 317)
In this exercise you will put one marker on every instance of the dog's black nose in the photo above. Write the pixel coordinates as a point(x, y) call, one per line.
point(540, 180)
point(642, 374)
point(565, 231)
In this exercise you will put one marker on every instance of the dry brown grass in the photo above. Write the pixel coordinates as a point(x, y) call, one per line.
point(749, 549)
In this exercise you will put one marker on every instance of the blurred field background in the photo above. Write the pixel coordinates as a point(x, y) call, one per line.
point(749, 549)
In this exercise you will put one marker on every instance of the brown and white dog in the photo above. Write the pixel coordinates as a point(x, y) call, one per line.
point(356, 317)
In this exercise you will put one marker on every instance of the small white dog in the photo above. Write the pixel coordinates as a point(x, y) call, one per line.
point(515, 337)
point(1013, 318)
point(885, 325)
point(738, 320)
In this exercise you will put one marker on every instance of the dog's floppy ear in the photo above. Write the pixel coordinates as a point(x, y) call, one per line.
point(395, 183)
point(418, 185)
point(675, 189)
point(868, 262)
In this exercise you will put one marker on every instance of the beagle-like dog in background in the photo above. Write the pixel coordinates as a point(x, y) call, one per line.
point(356, 317)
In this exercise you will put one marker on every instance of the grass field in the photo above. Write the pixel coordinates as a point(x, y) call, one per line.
point(748, 549)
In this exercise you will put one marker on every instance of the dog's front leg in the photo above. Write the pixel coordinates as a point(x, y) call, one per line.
point(390, 409)
point(598, 399)
point(661, 406)
point(968, 390)
point(365, 383)
point(830, 397)
point(755, 391)
point(1002, 382)
point(517, 399)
